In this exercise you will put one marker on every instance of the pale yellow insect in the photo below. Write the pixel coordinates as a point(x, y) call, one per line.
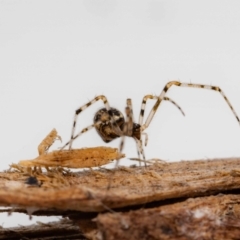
point(74, 158)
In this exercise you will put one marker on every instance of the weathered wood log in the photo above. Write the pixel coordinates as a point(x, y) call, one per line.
point(77, 194)
point(99, 190)
point(205, 218)
point(63, 229)
point(212, 217)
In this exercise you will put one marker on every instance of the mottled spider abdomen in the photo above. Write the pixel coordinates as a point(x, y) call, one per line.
point(105, 126)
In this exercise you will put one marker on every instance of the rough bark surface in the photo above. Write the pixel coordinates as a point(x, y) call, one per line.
point(160, 201)
point(61, 230)
point(93, 191)
point(214, 217)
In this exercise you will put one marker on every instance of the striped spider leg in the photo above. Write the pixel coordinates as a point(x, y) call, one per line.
point(137, 132)
point(144, 101)
point(131, 129)
point(128, 125)
point(162, 97)
point(110, 123)
point(109, 116)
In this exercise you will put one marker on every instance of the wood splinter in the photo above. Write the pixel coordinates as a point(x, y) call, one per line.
point(74, 158)
point(48, 141)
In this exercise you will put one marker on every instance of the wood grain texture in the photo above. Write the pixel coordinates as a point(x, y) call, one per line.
point(161, 199)
point(88, 190)
point(214, 217)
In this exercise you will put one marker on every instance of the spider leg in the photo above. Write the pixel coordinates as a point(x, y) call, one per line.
point(191, 85)
point(144, 101)
point(80, 133)
point(146, 139)
point(129, 130)
point(174, 103)
point(128, 126)
point(122, 143)
point(123, 134)
point(140, 150)
point(79, 110)
point(129, 118)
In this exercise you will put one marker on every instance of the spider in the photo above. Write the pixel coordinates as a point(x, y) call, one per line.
point(110, 123)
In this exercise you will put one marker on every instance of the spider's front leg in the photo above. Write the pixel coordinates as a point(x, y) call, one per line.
point(80, 133)
point(82, 108)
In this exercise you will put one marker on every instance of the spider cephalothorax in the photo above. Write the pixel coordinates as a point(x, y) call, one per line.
point(110, 123)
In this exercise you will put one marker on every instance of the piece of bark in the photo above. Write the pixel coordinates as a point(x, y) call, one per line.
point(103, 190)
point(100, 190)
point(75, 158)
point(87, 228)
point(63, 229)
point(205, 218)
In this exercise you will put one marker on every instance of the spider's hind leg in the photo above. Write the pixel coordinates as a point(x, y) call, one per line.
point(140, 151)
point(189, 85)
point(144, 101)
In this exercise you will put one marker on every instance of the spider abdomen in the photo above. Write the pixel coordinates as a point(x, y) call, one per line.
point(104, 125)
